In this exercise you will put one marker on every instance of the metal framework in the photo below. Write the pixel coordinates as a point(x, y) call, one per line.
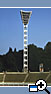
point(25, 15)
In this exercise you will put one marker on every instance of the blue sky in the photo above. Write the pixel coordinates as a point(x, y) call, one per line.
point(11, 28)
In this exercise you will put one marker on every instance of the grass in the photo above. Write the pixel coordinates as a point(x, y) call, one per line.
point(17, 77)
point(1, 77)
point(49, 79)
point(33, 77)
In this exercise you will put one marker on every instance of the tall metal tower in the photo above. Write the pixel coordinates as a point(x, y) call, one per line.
point(25, 15)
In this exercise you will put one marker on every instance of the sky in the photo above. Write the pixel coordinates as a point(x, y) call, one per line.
point(11, 28)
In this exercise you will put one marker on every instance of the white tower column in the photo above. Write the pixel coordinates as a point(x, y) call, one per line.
point(25, 53)
point(25, 15)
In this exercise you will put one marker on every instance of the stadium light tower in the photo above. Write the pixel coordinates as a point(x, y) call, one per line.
point(25, 15)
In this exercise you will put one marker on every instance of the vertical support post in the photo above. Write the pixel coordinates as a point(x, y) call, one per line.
point(25, 48)
point(25, 16)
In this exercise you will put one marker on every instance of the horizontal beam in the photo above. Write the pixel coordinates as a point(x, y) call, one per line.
point(25, 60)
point(25, 30)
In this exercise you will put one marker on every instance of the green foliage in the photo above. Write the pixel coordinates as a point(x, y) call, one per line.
point(13, 61)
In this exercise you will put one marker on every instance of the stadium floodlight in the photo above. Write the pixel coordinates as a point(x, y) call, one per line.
point(25, 16)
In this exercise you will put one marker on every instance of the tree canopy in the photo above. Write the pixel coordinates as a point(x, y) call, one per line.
point(13, 61)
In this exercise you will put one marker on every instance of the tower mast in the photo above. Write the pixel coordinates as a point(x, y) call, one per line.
point(25, 15)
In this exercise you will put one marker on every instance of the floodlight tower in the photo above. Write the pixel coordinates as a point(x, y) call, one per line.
point(25, 15)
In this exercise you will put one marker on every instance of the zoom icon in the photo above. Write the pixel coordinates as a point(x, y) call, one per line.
point(40, 85)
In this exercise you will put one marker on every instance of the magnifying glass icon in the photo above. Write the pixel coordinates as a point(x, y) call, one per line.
point(42, 85)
